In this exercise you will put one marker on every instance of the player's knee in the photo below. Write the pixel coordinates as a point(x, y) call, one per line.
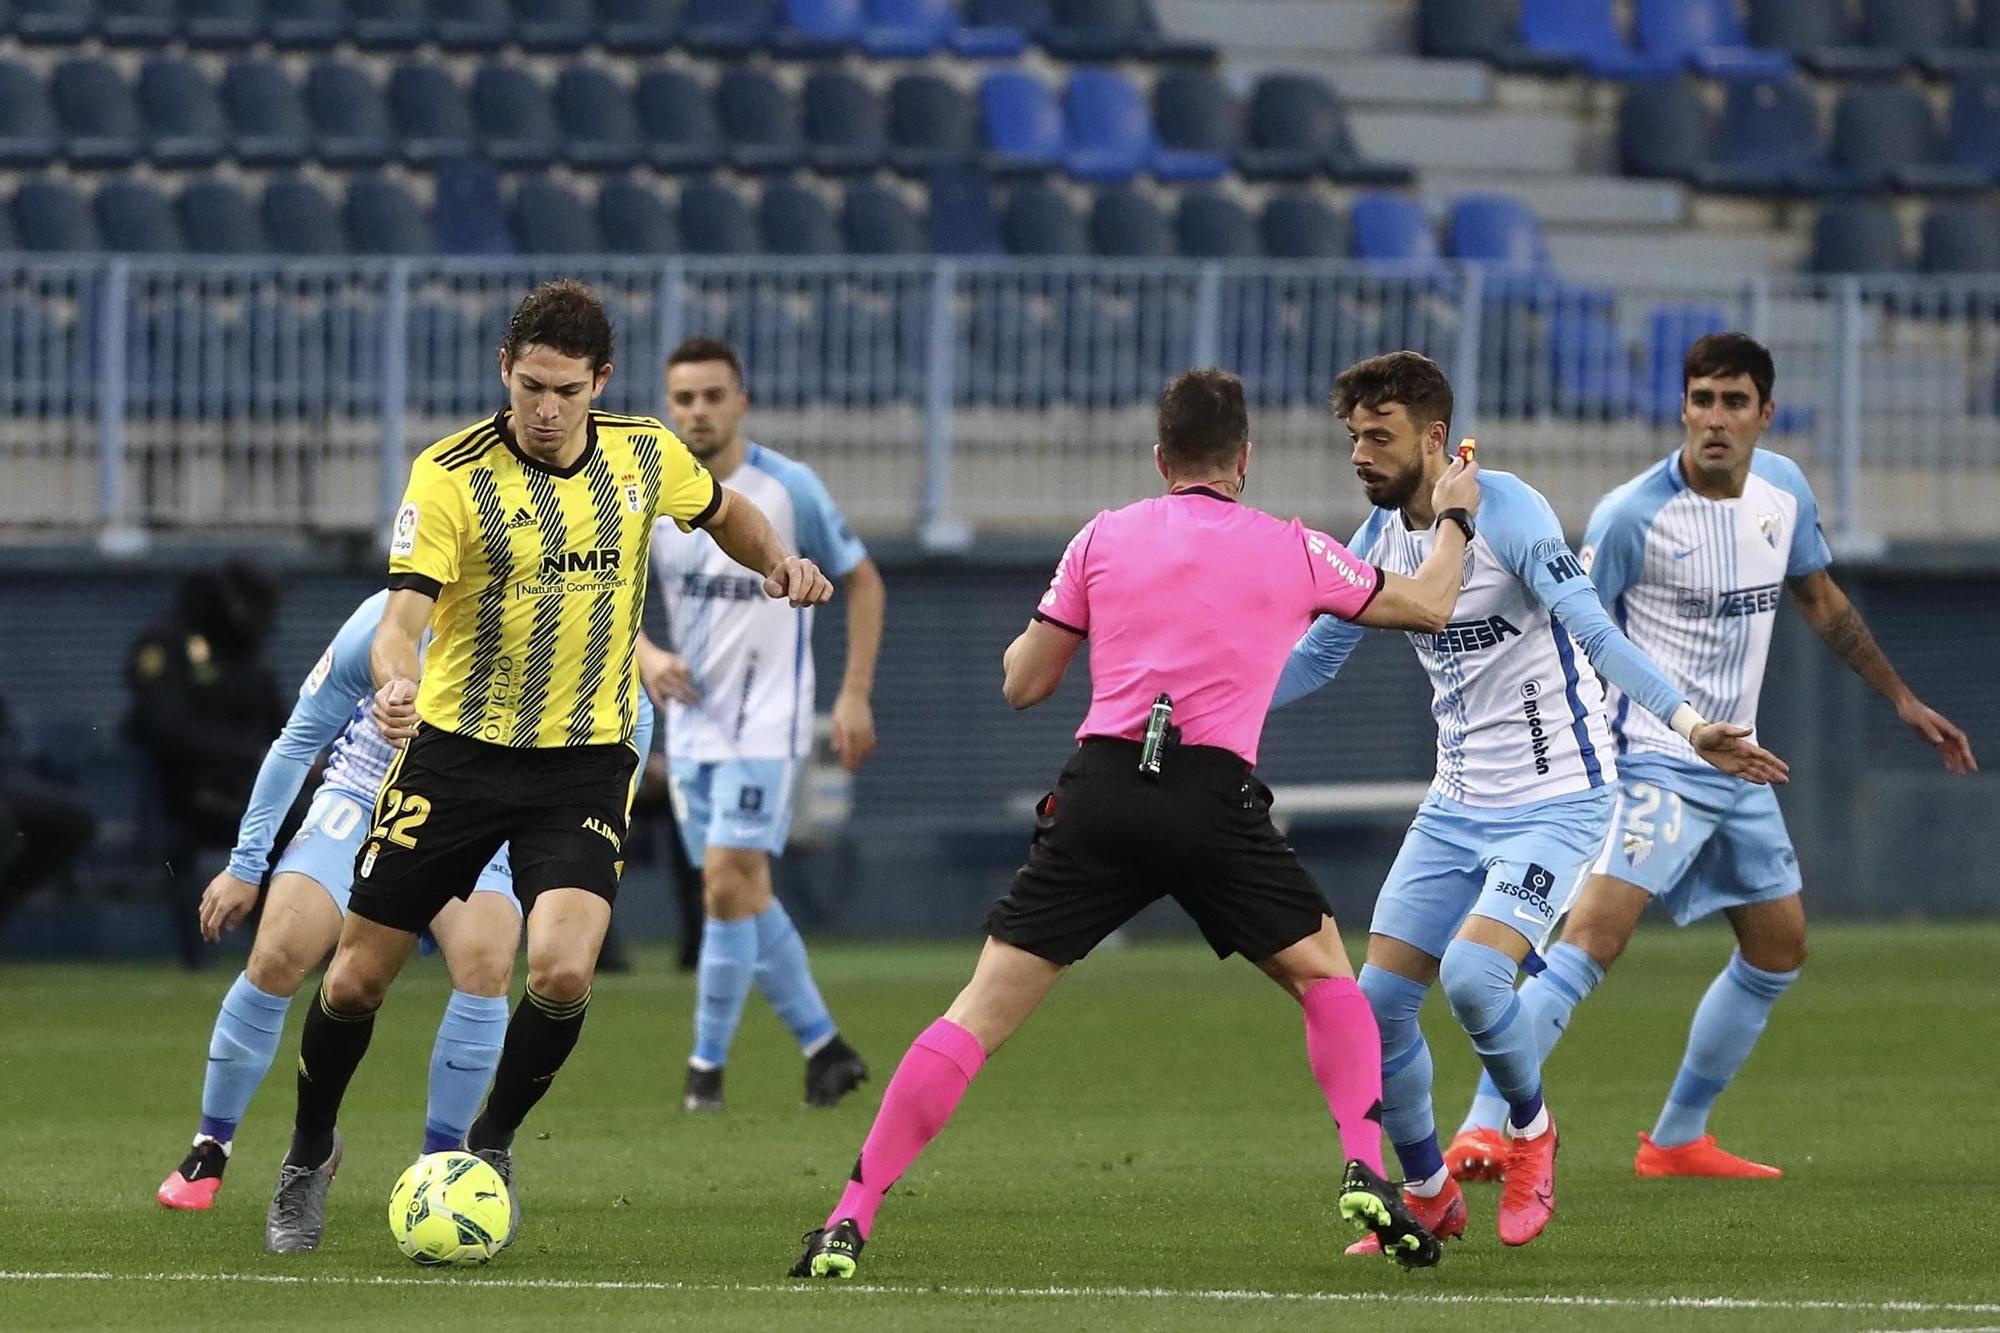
point(277, 968)
point(353, 990)
point(731, 888)
point(1390, 996)
point(1604, 945)
point(562, 981)
point(1477, 988)
point(483, 971)
point(1786, 953)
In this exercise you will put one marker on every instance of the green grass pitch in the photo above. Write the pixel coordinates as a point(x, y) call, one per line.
point(1149, 1153)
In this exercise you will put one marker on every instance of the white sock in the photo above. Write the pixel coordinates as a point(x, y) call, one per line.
point(809, 1051)
point(1430, 1187)
point(200, 1139)
point(1534, 1129)
point(703, 1065)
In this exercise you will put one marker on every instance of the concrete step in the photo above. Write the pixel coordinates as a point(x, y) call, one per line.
point(1567, 200)
point(1483, 141)
point(1370, 81)
point(1303, 26)
point(1671, 254)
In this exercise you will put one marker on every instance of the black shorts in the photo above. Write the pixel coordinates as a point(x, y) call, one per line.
point(450, 801)
point(1109, 841)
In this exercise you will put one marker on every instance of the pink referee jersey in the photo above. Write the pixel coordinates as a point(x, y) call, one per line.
point(1195, 596)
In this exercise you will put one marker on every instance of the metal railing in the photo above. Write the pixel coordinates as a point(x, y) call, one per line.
point(945, 395)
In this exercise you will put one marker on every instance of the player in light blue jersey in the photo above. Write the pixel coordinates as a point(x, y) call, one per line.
point(738, 694)
point(1524, 783)
point(307, 901)
point(1691, 556)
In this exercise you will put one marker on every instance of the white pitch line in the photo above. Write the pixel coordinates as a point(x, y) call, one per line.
point(1735, 1303)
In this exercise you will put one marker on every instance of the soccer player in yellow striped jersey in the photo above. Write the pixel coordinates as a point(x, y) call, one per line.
point(522, 544)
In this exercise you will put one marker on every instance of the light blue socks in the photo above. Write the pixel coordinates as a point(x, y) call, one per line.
point(785, 979)
point(1726, 1026)
point(723, 976)
point(462, 1062)
point(1549, 999)
point(240, 1050)
point(1479, 983)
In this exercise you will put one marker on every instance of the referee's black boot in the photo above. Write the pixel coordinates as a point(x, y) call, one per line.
point(1378, 1205)
point(831, 1251)
point(833, 1071)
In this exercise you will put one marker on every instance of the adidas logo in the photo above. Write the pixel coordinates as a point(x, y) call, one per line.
point(521, 519)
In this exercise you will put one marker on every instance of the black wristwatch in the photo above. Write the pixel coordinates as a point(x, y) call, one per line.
point(1459, 516)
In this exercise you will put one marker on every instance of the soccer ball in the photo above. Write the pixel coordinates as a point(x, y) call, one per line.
point(450, 1209)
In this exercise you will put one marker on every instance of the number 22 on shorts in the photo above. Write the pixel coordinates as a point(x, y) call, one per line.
point(401, 815)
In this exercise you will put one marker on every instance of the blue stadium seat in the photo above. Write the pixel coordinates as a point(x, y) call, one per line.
point(51, 217)
point(1962, 238)
point(516, 119)
point(1199, 125)
point(1926, 32)
point(1587, 32)
point(760, 121)
point(1707, 36)
point(389, 25)
point(638, 27)
point(383, 218)
point(903, 28)
point(27, 121)
point(221, 24)
point(554, 25)
point(931, 124)
point(963, 220)
point(268, 126)
point(1391, 229)
point(1858, 236)
point(432, 117)
point(1821, 35)
point(1769, 141)
point(183, 119)
point(549, 219)
point(1673, 329)
point(998, 29)
point(136, 22)
point(217, 218)
point(1884, 139)
point(97, 111)
point(1975, 123)
point(795, 220)
point(1109, 133)
point(817, 29)
point(1466, 29)
point(136, 219)
point(1663, 130)
point(844, 129)
point(52, 22)
point(300, 219)
point(1125, 224)
point(1499, 231)
point(1985, 34)
point(1297, 128)
point(471, 25)
point(1096, 29)
point(469, 218)
point(1592, 365)
point(1210, 225)
point(1024, 129)
point(677, 121)
point(1299, 224)
point(635, 220)
point(305, 25)
point(728, 27)
point(715, 220)
point(599, 125)
point(351, 124)
point(1038, 220)
point(875, 220)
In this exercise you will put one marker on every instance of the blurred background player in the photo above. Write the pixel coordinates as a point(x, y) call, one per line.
point(738, 695)
point(1690, 555)
point(1522, 793)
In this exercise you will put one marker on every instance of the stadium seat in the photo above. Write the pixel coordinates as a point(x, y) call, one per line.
point(817, 29)
point(1299, 224)
point(554, 25)
point(636, 27)
point(1391, 229)
point(715, 220)
point(1587, 33)
point(1109, 133)
point(51, 22)
point(1884, 138)
point(931, 124)
point(903, 28)
point(1024, 128)
point(27, 120)
point(844, 129)
point(217, 218)
point(875, 220)
point(1296, 127)
point(351, 125)
point(1592, 366)
point(433, 120)
point(1663, 130)
point(51, 217)
point(1499, 231)
point(795, 220)
point(470, 218)
point(635, 220)
point(1975, 123)
point(1925, 32)
point(1673, 329)
point(598, 123)
point(1125, 224)
point(1198, 123)
point(136, 22)
point(1769, 140)
point(388, 25)
point(998, 29)
point(963, 220)
point(184, 125)
point(1985, 33)
point(471, 25)
point(136, 219)
point(1466, 29)
point(300, 219)
point(1038, 220)
point(98, 114)
point(516, 118)
point(306, 25)
point(677, 121)
point(1858, 236)
point(732, 28)
point(221, 24)
point(1962, 238)
point(267, 117)
point(1210, 225)
point(383, 218)
point(1096, 29)
point(760, 121)
point(1820, 35)
point(1707, 36)
point(549, 219)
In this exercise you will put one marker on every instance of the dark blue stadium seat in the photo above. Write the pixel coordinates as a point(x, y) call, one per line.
point(817, 29)
point(901, 28)
point(217, 218)
point(1769, 140)
point(1663, 130)
point(554, 25)
point(182, 116)
point(383, 218)
point(300, 219)
point(52, 22)
point(471, 25)
point(1499, 231)
point(1821, 35)
point(221, 24)
point(549, 219)
point(27, 121)
point(98, 114)
point(1198, 123)
point(1592, 366)
point(1299, 224)
point(715, 220)
point(1391, 229)
point(635, 220)
point(516, 119)
point(1858, 236)
point(795, 220)
point(760, 121)
point(136, 219)
point(875, 220)
point(1707, 36)
point(728, 27)
point(1885, 139)
point(1985, 33)
point(1587, 32)
point(638, 27)
point(1926, 32)
point(677, 121)
point(1125, 224)
point(469, 218)
point(432, 117)
point(388, 25)
point(931, 124)
point(1024, 129)
point(1297, 128)
point(1097, 29)
point(50, 216)
point(998, 29)
point(844, 129)
point(136, 22)
point(1962, 238)
point(598, 122)
point(1975, 122)
point(351, 124)
point(963, 220)
point(1210, 225)
point(1109, 133)
point(1466, 29)
point(1673, 329)
point(268, 126)
point(1038, 220)
point(306, 25)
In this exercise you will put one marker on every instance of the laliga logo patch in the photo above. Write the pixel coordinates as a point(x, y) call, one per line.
point(368, 860)
point(403, 538)
point(1637, 849)
point(321, 670)
point(1768, 525)
point(630, 484)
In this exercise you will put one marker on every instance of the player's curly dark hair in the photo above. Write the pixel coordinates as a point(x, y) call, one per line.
point(1724, 356)
point(1409, 378)
point(1203, 420)
point(564, 315)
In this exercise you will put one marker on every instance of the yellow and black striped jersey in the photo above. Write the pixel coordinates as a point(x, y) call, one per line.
point(539, 575)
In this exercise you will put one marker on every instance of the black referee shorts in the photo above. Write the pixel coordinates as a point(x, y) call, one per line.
point(1109, 841)
point(450, 801)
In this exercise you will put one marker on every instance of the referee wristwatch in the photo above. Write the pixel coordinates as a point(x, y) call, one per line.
point(1459, 516)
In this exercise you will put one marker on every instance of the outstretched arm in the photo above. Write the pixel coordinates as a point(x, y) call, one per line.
point(1316, 658)
point(747, 537)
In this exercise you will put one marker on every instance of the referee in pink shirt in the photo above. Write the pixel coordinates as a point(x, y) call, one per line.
point(1192, 603)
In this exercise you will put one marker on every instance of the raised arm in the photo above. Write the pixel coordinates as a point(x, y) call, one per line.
point(1423, 602)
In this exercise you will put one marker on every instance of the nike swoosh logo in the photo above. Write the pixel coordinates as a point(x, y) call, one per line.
point(1682, 555)
point(218, 1059)
point(463, 1069)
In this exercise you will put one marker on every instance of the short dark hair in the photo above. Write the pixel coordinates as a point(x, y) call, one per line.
point(564, 315)
point(1409, 378)
point(699, 349)
point(1203, 421)
point(1725, 356)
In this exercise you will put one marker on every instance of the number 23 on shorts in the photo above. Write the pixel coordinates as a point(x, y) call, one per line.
point(398, 817)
